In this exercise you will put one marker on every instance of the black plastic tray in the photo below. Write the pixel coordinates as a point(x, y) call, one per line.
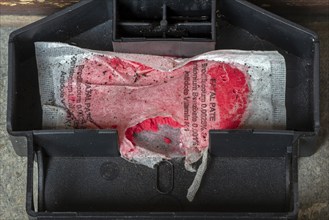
point(252, 174)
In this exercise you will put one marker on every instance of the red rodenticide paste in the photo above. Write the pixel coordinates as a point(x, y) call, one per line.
point(232, 92)
point(167, 140)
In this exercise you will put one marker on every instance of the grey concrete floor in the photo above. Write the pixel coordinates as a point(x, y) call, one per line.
point(12, 167)
point(313, 171)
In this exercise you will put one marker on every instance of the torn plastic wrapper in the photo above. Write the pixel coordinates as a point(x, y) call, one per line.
point(162, 107)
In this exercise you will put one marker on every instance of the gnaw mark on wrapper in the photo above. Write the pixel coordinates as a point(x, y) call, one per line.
point(160, 135)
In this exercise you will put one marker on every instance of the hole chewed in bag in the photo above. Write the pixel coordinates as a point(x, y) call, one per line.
point(160, 135)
